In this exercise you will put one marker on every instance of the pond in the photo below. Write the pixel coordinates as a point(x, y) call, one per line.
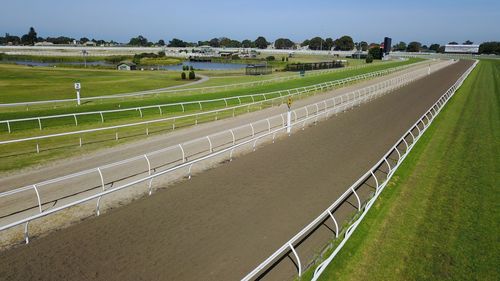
point(205, 66)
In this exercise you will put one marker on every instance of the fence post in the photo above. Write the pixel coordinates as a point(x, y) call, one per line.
point(297, 257)
point(98, 212)
point(336, 225)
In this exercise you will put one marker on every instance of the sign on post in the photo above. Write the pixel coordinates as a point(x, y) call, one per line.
point(289, 116)
point(78, 86)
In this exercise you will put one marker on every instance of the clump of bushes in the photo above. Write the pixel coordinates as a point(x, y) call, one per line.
point(270, 58)
point(192, 75)
point(369, 58)
point(183, 75)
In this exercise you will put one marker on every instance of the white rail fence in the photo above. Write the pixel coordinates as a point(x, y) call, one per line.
point(189, 119)
point(380, 174)
point(22, 205)
point(143, 94)
point(200, 104)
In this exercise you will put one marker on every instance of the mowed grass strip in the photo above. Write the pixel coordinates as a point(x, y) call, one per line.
point(438, 219)
point(24, 83)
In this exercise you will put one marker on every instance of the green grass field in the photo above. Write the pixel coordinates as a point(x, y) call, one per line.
point(24, 83)
point(438, 219)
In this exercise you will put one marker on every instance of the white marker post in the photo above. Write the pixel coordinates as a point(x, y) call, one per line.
point(78, 86)
point(429, 70)
point(289, 116)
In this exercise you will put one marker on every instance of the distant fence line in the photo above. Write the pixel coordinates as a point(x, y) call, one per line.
point(185, 155)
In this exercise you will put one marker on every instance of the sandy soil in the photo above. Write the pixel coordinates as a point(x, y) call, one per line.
point(225, 221)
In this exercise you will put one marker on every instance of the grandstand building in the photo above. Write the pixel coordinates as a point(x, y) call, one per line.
point(461, 49)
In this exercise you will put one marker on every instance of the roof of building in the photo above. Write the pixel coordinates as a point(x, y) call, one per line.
point(129, 63)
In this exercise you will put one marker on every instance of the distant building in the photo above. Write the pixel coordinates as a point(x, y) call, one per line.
point(44, 43)
point(90, 44)
point(258, 69)
point(126, 66)
point(462, 49)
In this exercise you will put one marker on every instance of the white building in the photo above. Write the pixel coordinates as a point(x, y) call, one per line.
point(462, 49)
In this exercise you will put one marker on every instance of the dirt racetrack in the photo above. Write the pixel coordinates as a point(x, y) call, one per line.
point(223, 222)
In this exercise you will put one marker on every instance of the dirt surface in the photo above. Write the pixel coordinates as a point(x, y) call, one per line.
point(222, 223)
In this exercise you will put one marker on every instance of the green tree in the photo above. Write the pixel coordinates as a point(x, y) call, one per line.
point(401, 46)
point(490, 48)
point(468, 42)
point(161, 42)
point(329, 43)
point(283, 43)
point(215, 42)
point(414, 47)
point(192, 75)
point(30, 38)
point(317, 43)
point(183, 75)
point(344, 43)
point(363, 45)
point(177, 43)
point(375, 52)
point(305, 43)
point(369, 58)
point(452, 43)
point(247, 44)
point(434, 47)
point(261, 42)
point(138, 41)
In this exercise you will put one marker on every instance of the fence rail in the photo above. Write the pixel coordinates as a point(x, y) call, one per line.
point(390, 161)
point(49, 196)
point(182, 105)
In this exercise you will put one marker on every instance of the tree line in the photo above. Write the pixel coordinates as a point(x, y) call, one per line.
point(32, 37)
point(343, 43)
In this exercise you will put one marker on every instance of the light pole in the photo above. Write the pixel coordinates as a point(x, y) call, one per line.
point(84, 54)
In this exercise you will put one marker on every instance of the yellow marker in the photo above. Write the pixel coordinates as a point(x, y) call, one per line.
point(289, 103)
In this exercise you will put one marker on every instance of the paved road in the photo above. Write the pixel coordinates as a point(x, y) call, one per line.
point(225, 221)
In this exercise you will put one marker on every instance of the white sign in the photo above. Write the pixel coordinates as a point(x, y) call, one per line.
point(78, 86)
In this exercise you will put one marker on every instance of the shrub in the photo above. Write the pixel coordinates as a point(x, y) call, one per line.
point(183, 75)
point(369, 59)
point(376, 53)
point(270, 58)
point(192, 75)
point(235, 57)
point(161, 54)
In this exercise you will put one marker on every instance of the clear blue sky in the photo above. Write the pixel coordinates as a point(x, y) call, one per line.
point(427, 21)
